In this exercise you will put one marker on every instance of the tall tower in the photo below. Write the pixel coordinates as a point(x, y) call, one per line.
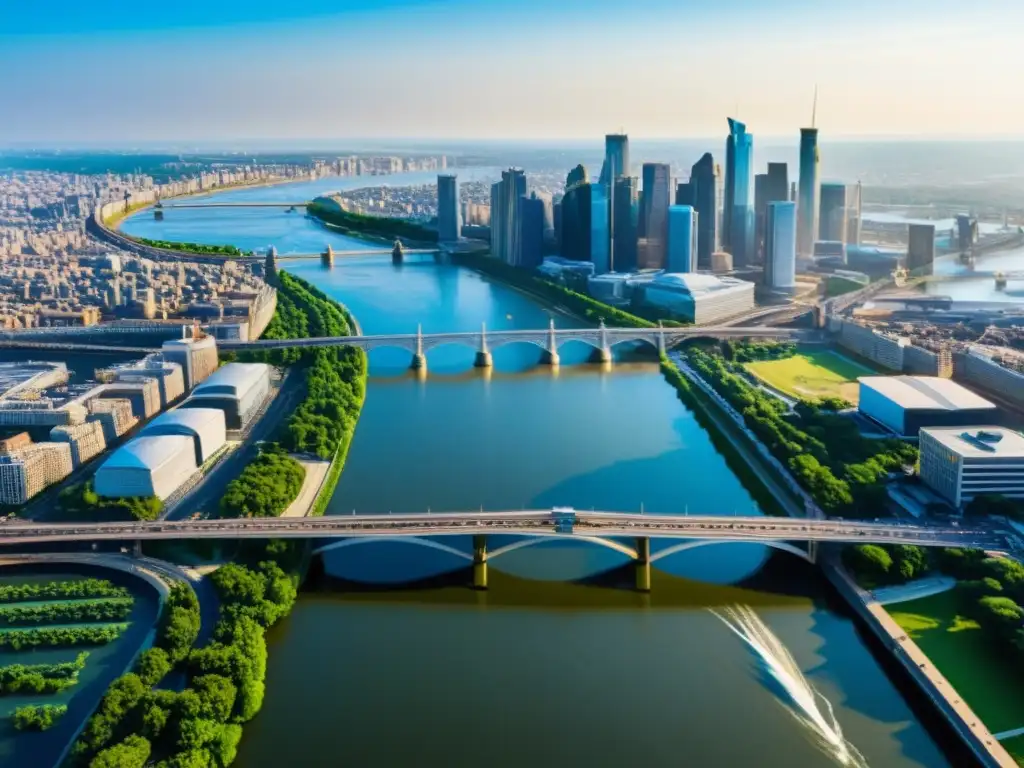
point(616, 157)
point(807, 203)
point(657, 194)
point(780, 245)
point(682, 239)
point(448, 214)
point(738, 210)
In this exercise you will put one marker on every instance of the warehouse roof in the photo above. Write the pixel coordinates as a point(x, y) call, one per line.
point(925, 393)
point(980, 442)
point(233, 379)
point(148, 452)
point(194, 419)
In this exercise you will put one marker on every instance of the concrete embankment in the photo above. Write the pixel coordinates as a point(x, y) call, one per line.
point(981, 743)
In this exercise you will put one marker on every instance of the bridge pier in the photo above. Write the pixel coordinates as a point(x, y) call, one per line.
point(483, 356)
point(327, 257)
point(158, 214)
point(479, 561)
point(419, 360)
point(643, 564)
point(812, 551)
point(603, 354)
point(550, 355)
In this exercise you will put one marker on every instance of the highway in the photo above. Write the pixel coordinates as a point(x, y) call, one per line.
point(565, 523)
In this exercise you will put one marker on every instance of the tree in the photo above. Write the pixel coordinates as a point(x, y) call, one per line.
point(217, 696)
point(871, 565)
point(153, 664)
point(133, 752)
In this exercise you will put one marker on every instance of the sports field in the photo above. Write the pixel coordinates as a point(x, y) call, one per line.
point(968, 660)
point(811, 375)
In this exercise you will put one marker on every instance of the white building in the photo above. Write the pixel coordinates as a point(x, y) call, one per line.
point(959, 464)
point(205, 426)
point(780, 246)
point(238, 389)
point(197, 357)
point(147, 466)
point(700, 298)
point(905, 404)
point(682, 239)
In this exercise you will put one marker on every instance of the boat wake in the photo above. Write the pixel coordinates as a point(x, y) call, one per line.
point(811, 709)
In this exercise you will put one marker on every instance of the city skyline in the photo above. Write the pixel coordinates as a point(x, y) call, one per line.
point(404, 68)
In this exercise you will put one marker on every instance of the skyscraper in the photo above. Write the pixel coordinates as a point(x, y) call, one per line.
point(657, 179)
point(780, 245)
point(575, 218)
point(627, 214)
point(448, 224)
point(920, 249)
point(531, 232)
point(853, 209)
point(760, 201)
point(505, 197)
point(600, 235)
point(703, 186)
point(778, 183)
point(682, 239)
point(616, 154)
point(768, 188)
point(807, 203)
point(738, 216)
point(832, 224)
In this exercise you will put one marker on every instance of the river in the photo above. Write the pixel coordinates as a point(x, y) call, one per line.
point(547, 667)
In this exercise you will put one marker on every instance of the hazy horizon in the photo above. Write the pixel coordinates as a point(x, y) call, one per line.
point(263, 71)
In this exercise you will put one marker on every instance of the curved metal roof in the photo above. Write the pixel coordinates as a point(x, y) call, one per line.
point(232, 379)
point(194, 419)
point(148, 452)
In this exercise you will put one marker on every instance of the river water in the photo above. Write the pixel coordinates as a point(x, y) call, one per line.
point(546, 668)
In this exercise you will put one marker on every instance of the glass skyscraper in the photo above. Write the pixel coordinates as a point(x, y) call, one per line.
point(600, 235)
point(682, 239)
point(832, 225)
point(448, 214)
point(531, 232)
point(704, 192)
point(738, 215)
point(657, 196)
point(627, 214)
point(616, 154)
point(505, 197)
point(780, 245)
point(807, 197)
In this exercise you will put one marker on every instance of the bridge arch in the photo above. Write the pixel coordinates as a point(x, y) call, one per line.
point(534, 540)
point(783, 546)
point(414, 540)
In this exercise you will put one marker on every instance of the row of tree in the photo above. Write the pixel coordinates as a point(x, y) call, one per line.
point(60, 637)
point(172, 245)
point(265, 487)
point(361, 224)
point(873, 565)
point(50, 590)
point(106, 609)
point(754, 351)
point(200, 726)
point(24, 679)
point(38, 717)
point(842, 470)
point(81, 502)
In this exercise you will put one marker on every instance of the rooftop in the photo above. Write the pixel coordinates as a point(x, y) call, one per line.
point(148, 452)
point(697, 283)
point(979, 442)
point(193, 418)
point(925, 392)
point(232, 379)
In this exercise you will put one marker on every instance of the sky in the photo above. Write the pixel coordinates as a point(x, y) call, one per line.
point(74, 73)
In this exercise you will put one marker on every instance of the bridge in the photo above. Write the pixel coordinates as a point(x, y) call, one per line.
point(167, 206)
point(606, 529)
point(602, 339)
point(323, 256)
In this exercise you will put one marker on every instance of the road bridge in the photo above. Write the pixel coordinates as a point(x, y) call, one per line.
point(627, 533)
point(168, 206)
point(364, 252)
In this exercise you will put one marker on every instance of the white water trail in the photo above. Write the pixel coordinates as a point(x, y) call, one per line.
point(809, 707)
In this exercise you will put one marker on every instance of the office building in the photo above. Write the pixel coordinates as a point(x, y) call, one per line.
point(832, 213)
point(142, 392)
point(155, 465)
point(906, 404)
point(115, 416)
point(966, 231)
point(238, 389)
point(704, 199)
point(962, 463)
point(197, 356)
point(854, 200)
point(449, 226)
point(575, 221)
point(682, 239)
point(206, 427)
point(769, 187)
point(920, 249)
point(700, 298)
point(26, 471)
point(626, 212)
point(657, 195)
point(505, 197)
point(531, 232)
point(738, 214)
point(86, 440)
point(616, 158)
point(807, 204)
point(600, 234)
point(780, 246)
point(760, 201)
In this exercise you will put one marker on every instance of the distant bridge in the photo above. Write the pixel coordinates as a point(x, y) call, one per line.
point(605, 529)
point(167, 206)
point(364, 252)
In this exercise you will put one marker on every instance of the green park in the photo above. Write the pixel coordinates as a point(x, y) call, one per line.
point(810, 375)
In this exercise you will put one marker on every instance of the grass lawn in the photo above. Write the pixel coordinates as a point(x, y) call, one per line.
point(812, 374)
point(957, 648)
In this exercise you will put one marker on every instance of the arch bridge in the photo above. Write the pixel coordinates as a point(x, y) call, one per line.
point(627, 533)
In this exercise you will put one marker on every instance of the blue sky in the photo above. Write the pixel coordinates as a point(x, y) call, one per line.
point(194, 70)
